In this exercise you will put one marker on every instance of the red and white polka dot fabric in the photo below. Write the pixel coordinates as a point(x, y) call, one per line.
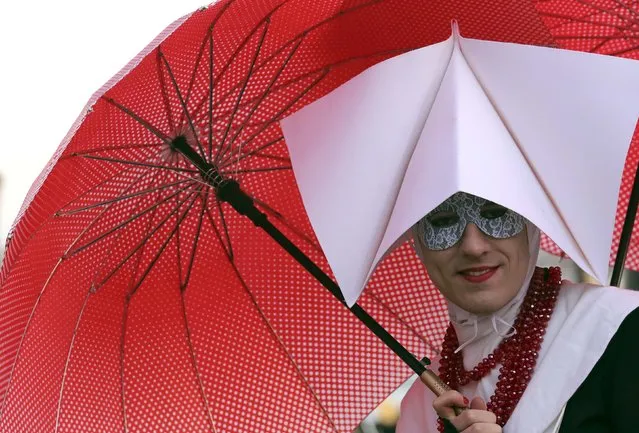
point(132, 300)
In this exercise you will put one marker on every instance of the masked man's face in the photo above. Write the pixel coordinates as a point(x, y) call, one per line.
point(475, 251)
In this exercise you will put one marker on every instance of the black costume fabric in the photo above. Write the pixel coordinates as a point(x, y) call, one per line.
point(606, 402)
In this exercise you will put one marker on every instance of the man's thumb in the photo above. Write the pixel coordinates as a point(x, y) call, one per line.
point(478, 403)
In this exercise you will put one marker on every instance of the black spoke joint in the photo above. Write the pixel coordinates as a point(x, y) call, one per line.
point(226, 190)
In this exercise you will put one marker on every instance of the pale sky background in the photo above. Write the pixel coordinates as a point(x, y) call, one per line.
point(53, 56)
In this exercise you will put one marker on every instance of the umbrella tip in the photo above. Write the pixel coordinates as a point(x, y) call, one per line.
point(454, 27)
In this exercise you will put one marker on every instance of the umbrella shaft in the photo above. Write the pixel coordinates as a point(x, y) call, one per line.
point(260, 220)
point(229, 190)
point(626, 232)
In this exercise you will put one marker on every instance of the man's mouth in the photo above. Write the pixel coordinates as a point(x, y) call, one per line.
point(478, 274)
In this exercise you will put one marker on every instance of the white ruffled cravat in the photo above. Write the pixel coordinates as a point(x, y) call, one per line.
point(479, 335)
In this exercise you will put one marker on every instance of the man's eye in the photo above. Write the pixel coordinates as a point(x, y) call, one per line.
point(443, 219)
point(493, 211)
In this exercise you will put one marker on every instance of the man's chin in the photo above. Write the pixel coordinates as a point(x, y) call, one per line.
point(484, 303)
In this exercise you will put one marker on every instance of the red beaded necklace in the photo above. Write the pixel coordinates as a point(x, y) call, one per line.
point(516, 354)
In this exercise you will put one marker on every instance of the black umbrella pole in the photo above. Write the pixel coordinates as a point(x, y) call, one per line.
point(626, 232)
point(229, 190)
point(231, 193)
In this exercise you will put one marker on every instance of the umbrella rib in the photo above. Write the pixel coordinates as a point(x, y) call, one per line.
point(258, 170)
point(60, 212)
point(124, 223)
point(584, 20)
point(68, 361)
point(146, 124)
point(178, 253)
point(316, 71)
point(132, 293)
point(228, 161)
point(111, 148)
point(611, 12)
point(271, 329)
point(122, 172)
point(277, 116)
point(228, 247)
point(125, 320)
point(628, 8)
point(23, 337)
point(191, 261)
point(281, 344)
point(405, 324)
point(241, 46)
point(587, 19)
point(209, 36)
point(185, 110)
point(198, 59)
point(210, 93)
point(624, 51)
point(272, 157)
point(226, 147)
point(27, 325)
point(144, 241)
point(125, 314)
point(269, 326)
point(140, 164)
point(165, 95)
point(262, 98)
point(198, 376)
point(92, 223)
point(121, 233)
point(277, 52)
point(599, 45)
point(302, 34)
point(123, 197)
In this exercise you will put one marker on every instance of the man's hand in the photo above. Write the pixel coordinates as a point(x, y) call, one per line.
point(475, 419)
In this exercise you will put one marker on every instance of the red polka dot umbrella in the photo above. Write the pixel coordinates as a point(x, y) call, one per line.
point(134, 297)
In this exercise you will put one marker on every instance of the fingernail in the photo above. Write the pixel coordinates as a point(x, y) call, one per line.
point(466, 401)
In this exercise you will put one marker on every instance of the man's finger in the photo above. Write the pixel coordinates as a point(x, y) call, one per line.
point(444, 404)
point(473, 416)
point(478, 403)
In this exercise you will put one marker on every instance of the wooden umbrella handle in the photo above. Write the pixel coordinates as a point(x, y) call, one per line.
point(438, 386)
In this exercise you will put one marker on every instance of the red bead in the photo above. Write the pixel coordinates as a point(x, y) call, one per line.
point(517, 354)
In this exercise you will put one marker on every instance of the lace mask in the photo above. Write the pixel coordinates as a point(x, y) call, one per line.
point(444, 226)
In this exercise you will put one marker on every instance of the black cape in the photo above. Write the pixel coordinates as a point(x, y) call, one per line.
point(607, 401)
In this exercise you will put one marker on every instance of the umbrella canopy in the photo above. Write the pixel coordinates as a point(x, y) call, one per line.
point(132, 299)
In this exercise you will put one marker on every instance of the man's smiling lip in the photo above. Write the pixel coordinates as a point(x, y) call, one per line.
point(478, 269)
point(478, 274)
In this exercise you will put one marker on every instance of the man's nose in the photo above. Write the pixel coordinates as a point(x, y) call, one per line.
point(473, 242)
